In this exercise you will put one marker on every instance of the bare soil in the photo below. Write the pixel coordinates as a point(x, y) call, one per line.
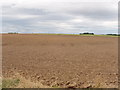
point(62, 60)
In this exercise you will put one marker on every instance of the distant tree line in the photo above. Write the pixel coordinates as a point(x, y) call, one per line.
point(12, 32)
point(114, 34)
point(86, 33)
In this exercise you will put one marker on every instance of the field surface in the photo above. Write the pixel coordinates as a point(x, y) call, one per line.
point(62, 60)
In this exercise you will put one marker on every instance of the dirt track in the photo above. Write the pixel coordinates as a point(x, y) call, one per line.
point(62, 60)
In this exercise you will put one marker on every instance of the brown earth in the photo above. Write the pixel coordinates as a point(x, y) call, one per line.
point(62, 60)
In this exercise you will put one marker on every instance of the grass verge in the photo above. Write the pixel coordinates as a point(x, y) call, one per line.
point(10, 83)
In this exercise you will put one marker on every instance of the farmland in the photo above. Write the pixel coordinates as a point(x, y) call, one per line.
point(62, 61)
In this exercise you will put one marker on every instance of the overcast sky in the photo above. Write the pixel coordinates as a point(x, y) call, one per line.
point(60, 16)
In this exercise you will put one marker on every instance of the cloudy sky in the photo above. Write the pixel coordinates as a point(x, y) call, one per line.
point(60, 16)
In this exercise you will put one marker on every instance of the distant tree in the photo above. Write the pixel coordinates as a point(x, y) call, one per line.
point(87, 33)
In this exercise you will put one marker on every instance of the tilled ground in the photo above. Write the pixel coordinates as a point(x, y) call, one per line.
point(62, 60)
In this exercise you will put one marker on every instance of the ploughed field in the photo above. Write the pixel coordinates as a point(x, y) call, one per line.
point(62, 60)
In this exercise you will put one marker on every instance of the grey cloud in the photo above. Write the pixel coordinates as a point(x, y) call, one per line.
point(62, 14)
point(99, 11)
point(33, 11)
point(96, 14)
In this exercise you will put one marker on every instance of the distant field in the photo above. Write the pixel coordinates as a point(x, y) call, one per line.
point(71, 61)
